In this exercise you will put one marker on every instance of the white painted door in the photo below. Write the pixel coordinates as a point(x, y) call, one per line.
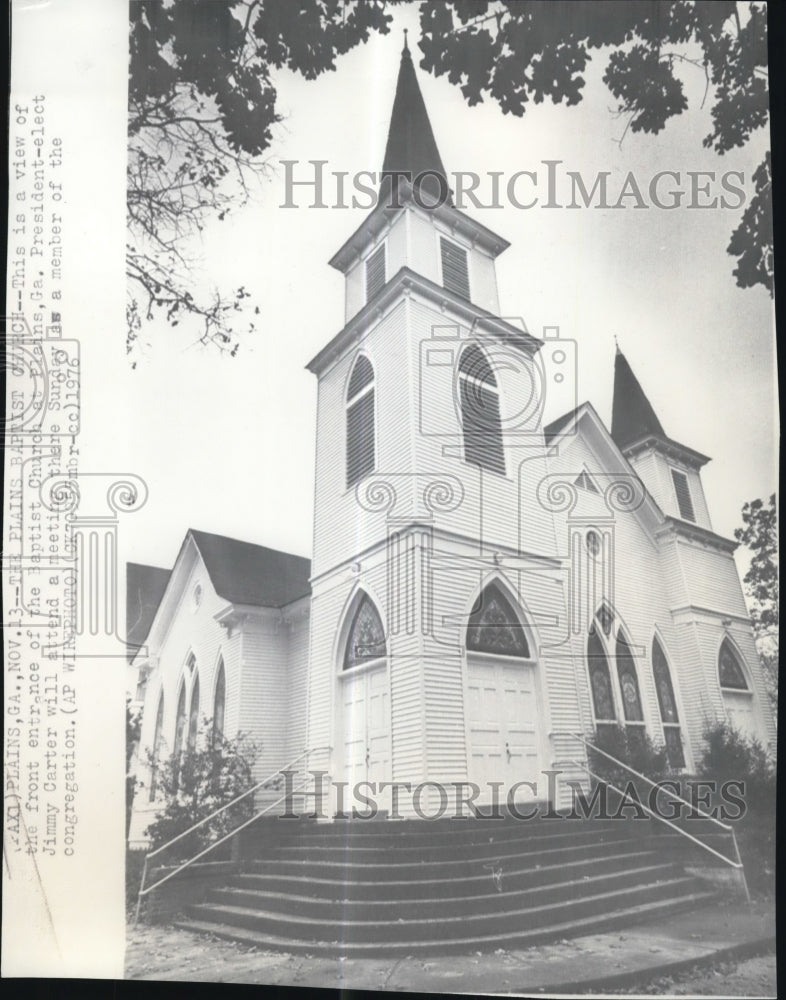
point(503, 726)
point(366, 727)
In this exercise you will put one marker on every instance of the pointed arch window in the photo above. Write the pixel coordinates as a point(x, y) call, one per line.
point(180, 720)
point(494, 626)
point(629, 682)
point(730, 672)
point(193, 714)
point(668, 706)
point(157, 737)
point(366, 641)
point(361, 436)
point(600, 680)
point(480, 419)
point(219, 704)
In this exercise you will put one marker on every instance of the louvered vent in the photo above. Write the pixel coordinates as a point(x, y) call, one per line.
point(455, 271)
point(375, 272)
point(480, 418)
point(684, 501)
point(361, 456)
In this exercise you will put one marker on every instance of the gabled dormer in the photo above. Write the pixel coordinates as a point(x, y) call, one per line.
point(415, 223)
point(669, 470)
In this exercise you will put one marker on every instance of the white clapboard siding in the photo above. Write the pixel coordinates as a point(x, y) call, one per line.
point(192, 630)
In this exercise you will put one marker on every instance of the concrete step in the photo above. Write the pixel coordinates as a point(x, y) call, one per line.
point(417, 867)
point(457, 841)
point(448, 925)
point(510, 896)
point(352, 885)
point(622, 916)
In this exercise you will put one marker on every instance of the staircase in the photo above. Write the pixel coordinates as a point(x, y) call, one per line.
point(411, 887)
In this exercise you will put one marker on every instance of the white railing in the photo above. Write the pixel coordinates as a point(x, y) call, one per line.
point(145, 890)
point(735, 864)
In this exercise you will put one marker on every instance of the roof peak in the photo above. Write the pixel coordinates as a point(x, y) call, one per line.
point(632, 415)
point(411, 151)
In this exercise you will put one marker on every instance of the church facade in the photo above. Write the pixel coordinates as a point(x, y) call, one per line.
point(483, 587)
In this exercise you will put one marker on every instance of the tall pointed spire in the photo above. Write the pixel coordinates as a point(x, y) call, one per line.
point(632, 415)
point(411, 146)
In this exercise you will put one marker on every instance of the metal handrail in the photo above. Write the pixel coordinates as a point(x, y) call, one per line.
point(144, 890)
point(737, 865)
point(654, 784)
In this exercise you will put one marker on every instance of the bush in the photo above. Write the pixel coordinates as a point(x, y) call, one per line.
point(729, 755)
point(195, 783)
point(630, 745)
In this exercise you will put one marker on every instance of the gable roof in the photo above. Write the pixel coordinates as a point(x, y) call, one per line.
point(550, 431)
point(411, 145)
point(244, 573)
point(145, 586)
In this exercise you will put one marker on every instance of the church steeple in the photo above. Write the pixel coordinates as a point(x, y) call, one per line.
point(632, 415)
point(411, 146)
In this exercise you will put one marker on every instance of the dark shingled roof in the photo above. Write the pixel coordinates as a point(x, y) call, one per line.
point(145, 586)
point(411, 145)
point(632, 415)
point(252, 574)
point(551, 430)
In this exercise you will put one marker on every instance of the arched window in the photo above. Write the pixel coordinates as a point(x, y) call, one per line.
point(180, 720)
point(193, 715)
point(480, 420)
point(600, 681)
point(494, 626)
point(157, 736)
point(629, 682)
point(366, 639)
point(361, 447)
point(668, 706)
point(737, 694)
point(730, 670)
point(219, 703)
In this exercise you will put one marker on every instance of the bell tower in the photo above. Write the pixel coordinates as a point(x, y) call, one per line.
point(429, 451)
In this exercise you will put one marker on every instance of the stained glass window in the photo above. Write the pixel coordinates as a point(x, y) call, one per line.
point(668, 706)
point(494, 626)
point(159, 730)
point(629, 683)
point(729, 668)
point(193, 715)
point(660, 668)
point(219, 703)
point(180, 720)
point(600, 679)
point(366, 636)
point(606, 618)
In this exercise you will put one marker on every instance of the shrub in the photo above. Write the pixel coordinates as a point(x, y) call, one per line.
point(195, 783)
point(632, 746)
point(729, 755)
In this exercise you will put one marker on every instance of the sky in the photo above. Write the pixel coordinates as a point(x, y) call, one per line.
point(227, 444)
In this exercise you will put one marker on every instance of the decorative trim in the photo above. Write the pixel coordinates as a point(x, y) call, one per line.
point(383, 216)
point(695, 532)
point(405, 280)
point(669, 447)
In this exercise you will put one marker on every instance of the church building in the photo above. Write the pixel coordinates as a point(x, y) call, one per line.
point(483, 587)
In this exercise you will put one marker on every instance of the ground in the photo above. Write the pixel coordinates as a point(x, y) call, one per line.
point(725, 951)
